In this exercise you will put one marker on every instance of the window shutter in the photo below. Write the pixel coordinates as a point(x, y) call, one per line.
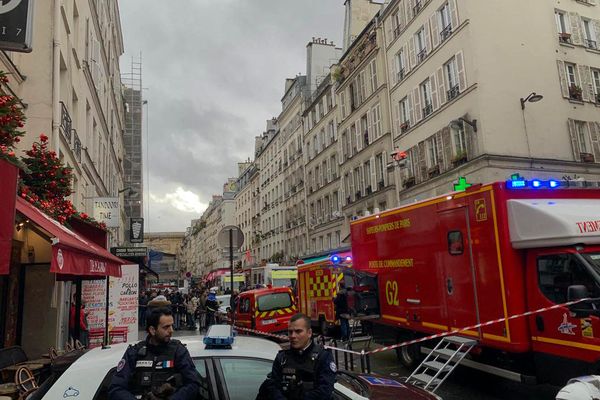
point(388, 32)
point(396, 117)
point(408, 4)
point(564, 85)
point(441, 86)
point(417, 107)
point(576, 36)
point(411, 109)
point(374, 185)
point(574, 140)
point(462, 77)
point(342, 191)
point(370, 125)
point(435, 30)
point(587, 87)
point(453, 14)
point(359, 134)
point(328, 162)
point(471, 139)
point(434, 92)
point(440, 150)
point(595, 139)
point(596, 24)
point(412, 57)
point(447, 144)
point(394, 69)
point(422, 164)
point(427, 37)
point(384, 156)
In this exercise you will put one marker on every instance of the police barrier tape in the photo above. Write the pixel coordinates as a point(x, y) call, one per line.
point(430, 337)
point(282, 337)
point(455, 331)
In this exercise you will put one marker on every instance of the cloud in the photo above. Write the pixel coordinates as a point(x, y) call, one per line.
point(182, 200)
point(214, 72)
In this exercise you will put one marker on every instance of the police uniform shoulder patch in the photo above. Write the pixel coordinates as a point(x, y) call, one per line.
point(332, 366)
point(121, 365)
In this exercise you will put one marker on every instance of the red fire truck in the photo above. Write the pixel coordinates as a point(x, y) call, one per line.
point(489, 252)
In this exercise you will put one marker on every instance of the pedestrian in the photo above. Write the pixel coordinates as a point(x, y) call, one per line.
point(212, 306)
point(201, 310)
point(305, 371)
point(144, 299)
point(158, 367)
point(341, 311)
point(83, 323)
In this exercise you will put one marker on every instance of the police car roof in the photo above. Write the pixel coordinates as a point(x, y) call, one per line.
point(86, 373)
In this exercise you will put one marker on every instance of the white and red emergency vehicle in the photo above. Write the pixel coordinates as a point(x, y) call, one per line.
point(493, 251)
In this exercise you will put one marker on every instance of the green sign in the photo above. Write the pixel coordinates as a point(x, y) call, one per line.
point(285, 274)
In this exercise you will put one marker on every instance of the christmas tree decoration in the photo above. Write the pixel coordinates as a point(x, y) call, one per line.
point(12, 119)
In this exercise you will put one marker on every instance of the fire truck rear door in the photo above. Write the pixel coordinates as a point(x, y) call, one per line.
point(455, 255)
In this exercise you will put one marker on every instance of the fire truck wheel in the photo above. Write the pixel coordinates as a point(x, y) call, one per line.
point(409, 355)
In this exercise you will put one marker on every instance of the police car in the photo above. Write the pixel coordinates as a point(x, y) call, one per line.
point(231, 368)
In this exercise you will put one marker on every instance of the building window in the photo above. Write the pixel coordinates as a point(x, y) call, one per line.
point(596, 83)
point(376, 121)
point(358, 185)
point(562, 24)
point(367, 178)
point(452, 79)
point(400, 65)
point(421, 45)
point(404, 118)
point(432, 152)
point(396, 24)
point(373, 73)
point(574, 89)
point(582, 137)
point(459, 142)
point(379, 169)
point(426, 95)
point(590, 35)
point(353, 96)
point(445, 22)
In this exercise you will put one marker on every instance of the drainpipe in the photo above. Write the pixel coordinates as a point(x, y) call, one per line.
point(56, 77)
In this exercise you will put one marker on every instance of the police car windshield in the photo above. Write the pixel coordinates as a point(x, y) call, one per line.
point(274, 301)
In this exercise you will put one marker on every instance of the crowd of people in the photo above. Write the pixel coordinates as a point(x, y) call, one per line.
point(194, 310)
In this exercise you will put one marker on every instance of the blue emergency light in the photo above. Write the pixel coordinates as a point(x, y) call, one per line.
point(518, 182)
point(219, 336)
point(335, 259)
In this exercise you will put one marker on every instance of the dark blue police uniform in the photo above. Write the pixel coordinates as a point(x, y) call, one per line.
point(146, 366)
point(303, 374)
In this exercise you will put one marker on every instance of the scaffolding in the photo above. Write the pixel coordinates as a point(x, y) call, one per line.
point(132, 138)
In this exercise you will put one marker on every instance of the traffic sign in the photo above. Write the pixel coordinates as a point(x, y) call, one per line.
point(236, 237)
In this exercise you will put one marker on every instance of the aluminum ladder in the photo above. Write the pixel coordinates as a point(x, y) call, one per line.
point(440, 363)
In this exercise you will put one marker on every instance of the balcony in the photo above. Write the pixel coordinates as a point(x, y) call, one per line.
point(65, 122)
point(417, 7)
point(427, 110)
point(381, 184)
point(575, 93)
point(400, 74)
point(446, 32)
point(421, 55)
point(591, 44)
point(453, 92)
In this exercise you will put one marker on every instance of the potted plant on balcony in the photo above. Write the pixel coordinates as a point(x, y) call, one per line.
point(575, 92)
point(564, 37)
point(587, 157)
point(459, 158)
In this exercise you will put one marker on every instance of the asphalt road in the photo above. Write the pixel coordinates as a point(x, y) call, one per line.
point(464, 383)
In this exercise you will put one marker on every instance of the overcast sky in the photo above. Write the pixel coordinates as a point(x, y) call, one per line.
point(214, 72)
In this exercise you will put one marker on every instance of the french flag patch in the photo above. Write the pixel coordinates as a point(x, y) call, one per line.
point(168, 364)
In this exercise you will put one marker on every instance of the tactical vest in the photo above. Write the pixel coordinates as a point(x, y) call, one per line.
point(152, 368)
point(298, 372)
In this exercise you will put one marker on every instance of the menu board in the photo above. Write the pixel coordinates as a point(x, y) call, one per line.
point(123, 307)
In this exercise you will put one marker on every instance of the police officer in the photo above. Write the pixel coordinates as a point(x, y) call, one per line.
point(306, 371)
point(158, 367)
point(582, 388)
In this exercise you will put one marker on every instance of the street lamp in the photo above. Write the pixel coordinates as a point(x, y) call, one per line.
point(130, 192)
point(458, 123)
point(533, 97)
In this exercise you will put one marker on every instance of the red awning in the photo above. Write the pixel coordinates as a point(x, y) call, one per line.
point(72, 254)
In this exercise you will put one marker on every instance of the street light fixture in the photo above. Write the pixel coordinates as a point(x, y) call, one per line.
point(533, 97)
point(458, 123)
point(130, 192)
